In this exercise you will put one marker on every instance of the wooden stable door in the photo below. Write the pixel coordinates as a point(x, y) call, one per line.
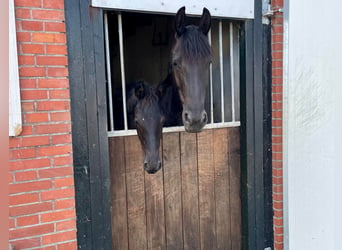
point(193, 202)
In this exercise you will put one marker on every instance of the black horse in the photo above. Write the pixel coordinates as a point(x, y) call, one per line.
point(148, 110)
point(191, 57)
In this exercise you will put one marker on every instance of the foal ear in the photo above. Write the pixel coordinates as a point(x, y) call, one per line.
point(205, 21)
point(140, 90)
point(180, 21)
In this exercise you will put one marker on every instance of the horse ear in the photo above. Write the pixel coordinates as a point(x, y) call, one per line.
point(180, 21)
point(140, 90)
point(205, 21)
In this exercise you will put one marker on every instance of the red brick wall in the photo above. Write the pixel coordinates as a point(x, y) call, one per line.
point(277, 114)
point(41, 184)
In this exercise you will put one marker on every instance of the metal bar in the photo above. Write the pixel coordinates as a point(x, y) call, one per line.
point(122, 65)
point(109, 75)
point(175, 129)
point(211, 85)
point(232, 80)
point(221, 69)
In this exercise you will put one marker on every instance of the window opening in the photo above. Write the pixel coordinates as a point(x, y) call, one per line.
point(138, 48)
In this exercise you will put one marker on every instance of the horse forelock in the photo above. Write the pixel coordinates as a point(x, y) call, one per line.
point(194, 44)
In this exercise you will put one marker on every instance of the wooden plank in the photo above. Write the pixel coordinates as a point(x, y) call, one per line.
point(172, 191)
point(155, 217)
point(136, 210)
point(234, 179)
point(222, 204)
point(118, 193)
point(206, 186)
point(189, 190)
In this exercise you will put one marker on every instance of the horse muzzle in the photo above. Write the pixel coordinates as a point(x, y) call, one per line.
point(194, 122)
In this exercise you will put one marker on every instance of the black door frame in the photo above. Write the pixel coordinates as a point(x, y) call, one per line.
point(87, 80)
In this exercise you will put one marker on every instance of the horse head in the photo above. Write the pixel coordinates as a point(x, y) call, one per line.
point(191, 57)
point(143, 105)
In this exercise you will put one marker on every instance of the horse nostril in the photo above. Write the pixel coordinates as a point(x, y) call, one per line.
point(186, 116)
point(204, 117)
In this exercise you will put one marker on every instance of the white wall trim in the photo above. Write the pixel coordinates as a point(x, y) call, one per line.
point(15, 123)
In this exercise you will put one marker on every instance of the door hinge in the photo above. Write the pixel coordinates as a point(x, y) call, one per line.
point(268, 13)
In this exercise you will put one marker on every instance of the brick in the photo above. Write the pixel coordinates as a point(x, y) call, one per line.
point(56, 49)
point(27, 220)
point(52, 60)
point(53, 128)
point(61, 139)
point(23, 199)
point(276, 139)
point(54, 150)
point(25, 60)
point(277, 72)
point(277, 172)
point(28, 3)
point(27, 106)
point(33, 94)
point(59, 94)
point(25, 176)
point(64, 182)
point(277, 147)
point(277, 105)
point(67, 246)
point(55, 172)
point(48, 37)
point(31, 231)
point(277, 39)
point(277, 188)
point(58, 215)
point(63, 204)
point(278, 205)
point(10, 177)
point(57, 4)
point(29, 164)
point(278, 196)
point(32, 71)
point(57, 72)
point(23, 37)
point(36, 117)
point(277, 3)
point(32, 25)
point(57, 15)
point(58, 194)
point(23, 153)
point(26, 243)
point(55, 26)
point(278, 213)
point(60, 116)
point(30, 209)
point(22, 12)
point(58, 237)
point(27, 83)
point(278, 238)
point(34, 141)
point(277, 80)
point(65, 225)
point(53, 83)
point(277, 114)
point(63, 160)
point(29, 186)
point(53, 105)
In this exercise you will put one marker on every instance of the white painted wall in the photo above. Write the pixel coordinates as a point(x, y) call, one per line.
point(312, 172)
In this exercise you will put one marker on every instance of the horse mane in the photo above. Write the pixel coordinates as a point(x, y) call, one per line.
point(194, 44)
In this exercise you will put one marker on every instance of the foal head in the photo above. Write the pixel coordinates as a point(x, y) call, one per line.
point(143, 104)
point(191, 57)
